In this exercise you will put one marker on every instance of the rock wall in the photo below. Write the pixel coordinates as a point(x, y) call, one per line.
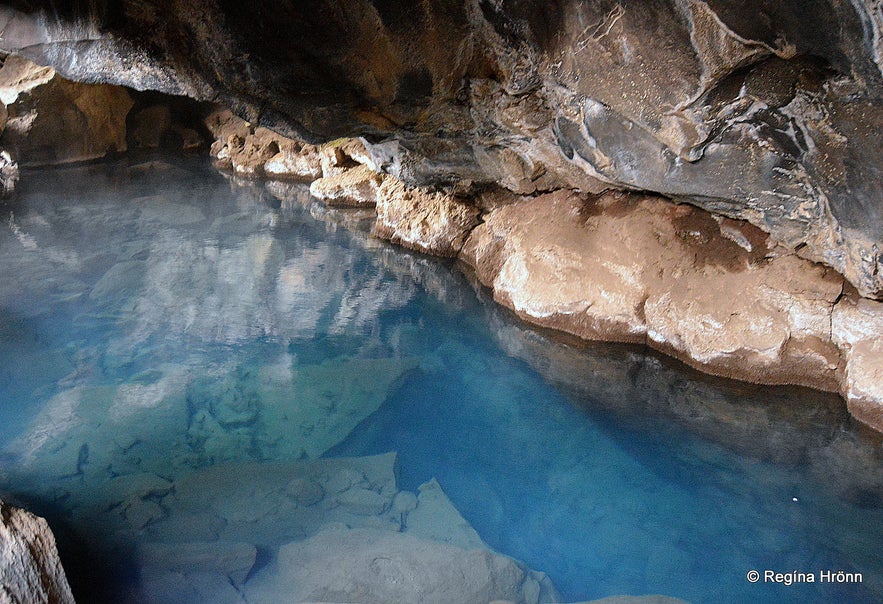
point(30, 570)
point(767, 112)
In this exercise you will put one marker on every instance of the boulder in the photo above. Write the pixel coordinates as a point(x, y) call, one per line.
point(258, 152)
point(857, 328)
point(30, 569)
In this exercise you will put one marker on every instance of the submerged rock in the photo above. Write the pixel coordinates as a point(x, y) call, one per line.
point(30, 570)
point(369, 565)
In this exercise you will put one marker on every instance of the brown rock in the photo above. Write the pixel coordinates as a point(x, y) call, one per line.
point(434, 223)
point(344, 154)
point(61, 121)
point(354, 187)
point(19, 75)
point(150, 125)
point(30, 570)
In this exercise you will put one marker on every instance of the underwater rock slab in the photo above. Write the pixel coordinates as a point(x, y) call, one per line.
point(369, 565)
point(434, 517)
point(30, 569)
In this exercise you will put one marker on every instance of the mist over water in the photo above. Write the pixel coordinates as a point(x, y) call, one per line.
point(171, 341)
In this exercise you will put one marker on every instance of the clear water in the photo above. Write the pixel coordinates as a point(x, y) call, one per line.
point(157, 321)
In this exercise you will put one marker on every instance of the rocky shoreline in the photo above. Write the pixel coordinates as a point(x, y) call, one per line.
point(716, 293)
point(719, 294)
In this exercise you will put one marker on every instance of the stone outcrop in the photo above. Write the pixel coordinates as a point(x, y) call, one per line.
point(356, 187)
point(718, 294)
point(254, 151)
point(857, 328)
point(53, 121)
point(30, 570)
point(767, 111)
point(434, 223)
point(9, 173)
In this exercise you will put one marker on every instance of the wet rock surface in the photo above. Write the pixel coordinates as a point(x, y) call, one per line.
point(718, 294)
point(30, 570)
point(767, 112)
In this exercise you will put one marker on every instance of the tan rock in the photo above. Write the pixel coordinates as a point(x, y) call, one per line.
point(344, 154)
point(354, 187)
point(857, 328)
point(256, 152)
point(636, 268)
point(19, 75)
point(434, 223)
point(30, 570)
point(295, 160)
point(768, 323)
point(61, 121)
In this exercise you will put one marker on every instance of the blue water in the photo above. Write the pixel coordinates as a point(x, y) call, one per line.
point(157, 319)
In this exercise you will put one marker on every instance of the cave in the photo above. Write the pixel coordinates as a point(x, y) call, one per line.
point(452, 301)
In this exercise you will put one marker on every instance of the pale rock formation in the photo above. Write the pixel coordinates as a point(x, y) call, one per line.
point(434, 223)
point(9, 173)
point(857, 328)
point(354, 187)
point(257, 152)
point(30, 570)
point(18, 75)
point(716, 294)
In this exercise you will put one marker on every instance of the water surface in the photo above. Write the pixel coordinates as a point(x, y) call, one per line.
point(158, 321)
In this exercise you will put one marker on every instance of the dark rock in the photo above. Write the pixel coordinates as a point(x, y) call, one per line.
point(768, 112)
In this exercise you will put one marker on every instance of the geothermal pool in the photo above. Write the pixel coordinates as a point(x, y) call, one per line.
point(190, 364)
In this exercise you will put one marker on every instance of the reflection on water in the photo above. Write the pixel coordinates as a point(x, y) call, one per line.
point(199, 378)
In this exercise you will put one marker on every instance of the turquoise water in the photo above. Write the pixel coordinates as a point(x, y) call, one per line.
point(158, 320)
